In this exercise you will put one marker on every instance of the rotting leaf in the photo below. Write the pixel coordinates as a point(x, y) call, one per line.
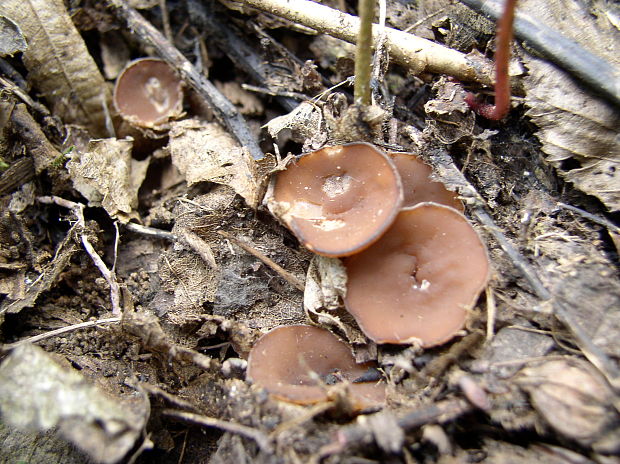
point(11, 38)
point(575, 400)
point(574, 125)
point(38, 393)
point(20, 446)
point(59, 64)
point(108, 176)
point(326, 284)
point(304, 124)
point(146, 327)
point(206, 152)
point(67, 248)
point(451, 117)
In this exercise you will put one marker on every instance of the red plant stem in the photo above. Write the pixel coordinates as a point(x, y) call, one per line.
point(502, 58)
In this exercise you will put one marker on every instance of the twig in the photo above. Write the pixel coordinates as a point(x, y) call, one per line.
point(363, 52)
point(10, 72)
point(276, 93)
point(417, 54)
point(306, 416)
point(240, 52)
point(109, 276)
point(290, 278)
point(150, 231)
point(117, 240)
point(380, 42)
point(259, 437)
point(199, 246)
point(17, 174)
point(568, 55)
point(165, 19)
point(42, 151)
point(358, 434)
point(598, 220)
point(224, 110)
point(53, 333)
point(491, 313)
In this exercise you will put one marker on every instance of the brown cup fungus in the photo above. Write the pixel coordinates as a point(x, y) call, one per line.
point(148, 93)
point(417, 184)
point(338, 200)
point(418, 281)
point(297, 363)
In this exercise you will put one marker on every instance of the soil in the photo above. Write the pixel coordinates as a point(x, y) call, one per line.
point(213, 269)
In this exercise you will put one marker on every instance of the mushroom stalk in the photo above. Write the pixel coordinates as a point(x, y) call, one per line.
point(363, 52)
point(502, 61)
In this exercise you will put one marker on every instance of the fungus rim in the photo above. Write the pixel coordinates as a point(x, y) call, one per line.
point(173, 111)
point(464, 307)
point(283, 212)
point(317, 392)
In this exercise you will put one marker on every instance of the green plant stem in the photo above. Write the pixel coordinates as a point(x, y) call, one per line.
point(363, 52)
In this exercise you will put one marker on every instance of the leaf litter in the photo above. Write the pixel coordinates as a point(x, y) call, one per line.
point(203, 270)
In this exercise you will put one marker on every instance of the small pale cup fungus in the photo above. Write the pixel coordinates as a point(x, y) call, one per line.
point(418, 187)
point(297, 363)
point(148, 93)
point(340, 199)
point(417, 283)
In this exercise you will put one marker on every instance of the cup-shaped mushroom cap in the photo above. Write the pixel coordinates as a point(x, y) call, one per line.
point(340, 199)
point(148, 93)
point(418, 281)
point(294, 363)
point(417, 184)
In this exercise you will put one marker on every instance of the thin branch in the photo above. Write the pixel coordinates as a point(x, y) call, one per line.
point(240, 52)
point(150, 231)
point(290, 278)
point(596, 219)
point(361, 432)
point(109, 276)
point(165, 19)
point(417, 54)
point(62, 330)
point(491, 313)
point(199, 246)
point(259, 437)
point(224, 110)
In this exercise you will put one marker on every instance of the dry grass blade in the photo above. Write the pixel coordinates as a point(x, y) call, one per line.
point(259, 437)
point(290, 278)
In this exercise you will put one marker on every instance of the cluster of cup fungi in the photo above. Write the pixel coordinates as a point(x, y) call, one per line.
point(414, 264)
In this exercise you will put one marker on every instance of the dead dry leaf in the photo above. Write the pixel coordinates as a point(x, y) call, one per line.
point(575, 400)
point(43, 282)
point(204, 151)
point(59, 63)
point(106, 175)
point(326, 284)
point(37, 393)
point(579, 132)
point(11, 38)
point(304, 124)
